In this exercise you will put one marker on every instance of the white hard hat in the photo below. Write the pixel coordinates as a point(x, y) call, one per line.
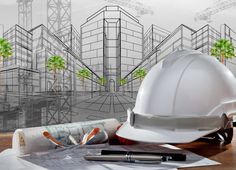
point(181, 99)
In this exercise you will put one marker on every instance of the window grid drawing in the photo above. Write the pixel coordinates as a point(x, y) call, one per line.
point(110, 46)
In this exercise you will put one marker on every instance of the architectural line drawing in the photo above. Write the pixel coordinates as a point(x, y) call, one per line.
point(58, 14)
point(136, 5)
point(25, 13)
point(102, 59)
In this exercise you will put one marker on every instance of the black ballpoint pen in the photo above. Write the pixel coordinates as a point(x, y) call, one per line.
point(146, 159)
point(167, 156)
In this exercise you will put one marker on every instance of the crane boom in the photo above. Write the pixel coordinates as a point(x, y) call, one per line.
point(217, 7)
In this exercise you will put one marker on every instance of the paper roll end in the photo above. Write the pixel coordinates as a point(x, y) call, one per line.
point(19, 142)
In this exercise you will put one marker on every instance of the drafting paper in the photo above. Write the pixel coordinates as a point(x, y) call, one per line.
point(72, 158)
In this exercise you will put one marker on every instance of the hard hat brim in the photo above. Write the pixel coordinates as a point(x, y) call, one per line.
point(161, 135)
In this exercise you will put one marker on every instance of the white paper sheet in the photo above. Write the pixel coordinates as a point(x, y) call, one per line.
point(72, 158)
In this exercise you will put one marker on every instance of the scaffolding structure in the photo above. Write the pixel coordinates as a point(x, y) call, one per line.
point(58, 14)
point(25, 13)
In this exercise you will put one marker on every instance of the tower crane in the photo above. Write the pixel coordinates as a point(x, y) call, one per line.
point(217, 7)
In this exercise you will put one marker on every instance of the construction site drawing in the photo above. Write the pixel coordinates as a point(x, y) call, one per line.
point(105, 60)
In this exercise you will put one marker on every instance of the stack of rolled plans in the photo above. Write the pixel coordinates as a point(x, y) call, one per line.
point(43, 138)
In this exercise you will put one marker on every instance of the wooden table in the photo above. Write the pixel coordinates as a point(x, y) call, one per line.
point(226, 155)
point(223, 154)
point(5, 141)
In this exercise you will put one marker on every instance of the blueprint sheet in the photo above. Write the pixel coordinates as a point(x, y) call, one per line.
point(72, 159)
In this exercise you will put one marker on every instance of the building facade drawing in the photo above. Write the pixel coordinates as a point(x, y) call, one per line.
point(111, 46)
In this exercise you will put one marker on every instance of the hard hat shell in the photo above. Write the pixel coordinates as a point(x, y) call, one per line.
point(186, 91)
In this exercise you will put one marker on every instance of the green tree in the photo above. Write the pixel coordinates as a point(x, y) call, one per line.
point(223, 49)
point(83, 74)
point(140, 73)
point(5, 49)
point(102, 81)
point(55, 64)
point(123, 82)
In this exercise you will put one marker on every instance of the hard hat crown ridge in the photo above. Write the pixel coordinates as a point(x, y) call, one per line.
point(186, 86)
point(179, 86)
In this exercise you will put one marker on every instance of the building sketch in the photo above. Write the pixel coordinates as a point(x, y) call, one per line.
point(25, 13)
point(110, 45)
point(139, 7)
point(153, 36)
